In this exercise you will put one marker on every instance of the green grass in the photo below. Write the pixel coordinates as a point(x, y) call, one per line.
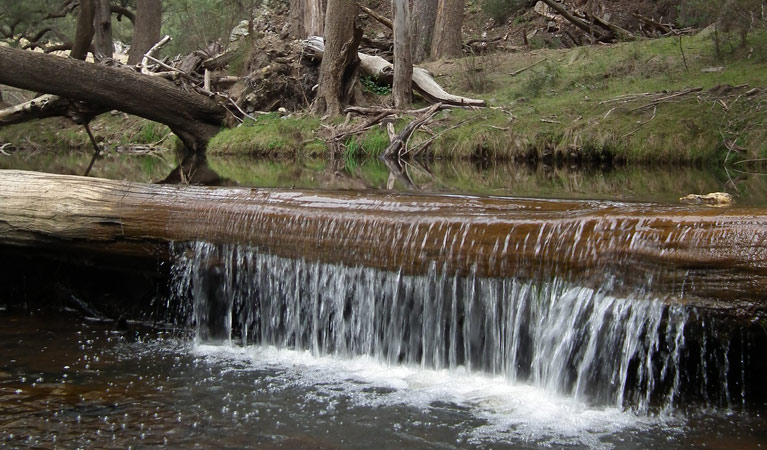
point(270, 135)
point(560, 107)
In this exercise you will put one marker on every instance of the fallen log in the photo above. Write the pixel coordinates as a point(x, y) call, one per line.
point(382, 70)
point(193, 118)
point(46, 106)
point(583, 25)
point(717, 257)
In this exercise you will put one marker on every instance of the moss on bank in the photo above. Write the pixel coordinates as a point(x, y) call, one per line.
point(601, 103)
point(270, 135)
point(588, 104)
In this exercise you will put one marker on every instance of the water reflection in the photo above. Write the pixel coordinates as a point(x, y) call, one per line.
point(661, 184)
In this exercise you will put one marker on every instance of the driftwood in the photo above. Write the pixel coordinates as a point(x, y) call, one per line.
point(423, 82)
point(713, 256)
point(398, 141)
point(383, 20)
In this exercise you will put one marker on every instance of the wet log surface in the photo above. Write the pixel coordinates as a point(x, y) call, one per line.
point(716, 257)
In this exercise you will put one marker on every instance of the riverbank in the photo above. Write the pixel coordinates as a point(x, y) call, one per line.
point(670, 100)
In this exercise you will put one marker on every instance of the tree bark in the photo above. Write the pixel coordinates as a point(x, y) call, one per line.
point(692, 253)
point(146, 31)
point(192, 117)
point(307, 17)
point(423, 20)
point(84, 31)
point(402, 86)
point(382, 70)
point(339, 68)
point(102, 24)
point(447, 40)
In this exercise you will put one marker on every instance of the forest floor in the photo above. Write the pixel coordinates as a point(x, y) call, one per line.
point(668, 100)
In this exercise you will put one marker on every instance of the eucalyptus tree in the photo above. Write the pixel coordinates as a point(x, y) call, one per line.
point(447, 40)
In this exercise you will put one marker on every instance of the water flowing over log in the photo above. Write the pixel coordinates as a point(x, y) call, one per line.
point(383, 70)
point(717, 256)
point(191, 116)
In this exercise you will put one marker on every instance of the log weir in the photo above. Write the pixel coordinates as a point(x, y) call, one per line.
point(711, 256)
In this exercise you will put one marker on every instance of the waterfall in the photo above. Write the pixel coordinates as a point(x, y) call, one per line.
point(591, 343)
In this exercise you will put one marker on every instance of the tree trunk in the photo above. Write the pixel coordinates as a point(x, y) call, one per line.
point(297, 19)
point(314, 17)
point(691, 253)
point(146, 31)
point(422, 28)
point(447, 40)
point(84, 31)
point(102, 23)
point(382, 70)
point(307, 17)
point(192, 117)
point(340, 64)
point(402, 86)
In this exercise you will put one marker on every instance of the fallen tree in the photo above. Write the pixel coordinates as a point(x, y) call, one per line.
point(383, 70)
point(714, 256)
point(194, 118)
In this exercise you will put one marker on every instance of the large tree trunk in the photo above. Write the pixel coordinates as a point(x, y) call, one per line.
point(339, 68)
point(690, 253)
point(382, 70)
point(402, 86)
point(102, 23)
point(307, 17)
point(146, 31)
point(447, 40)
point(192, 117)
point(422, 28)
point(84, 31)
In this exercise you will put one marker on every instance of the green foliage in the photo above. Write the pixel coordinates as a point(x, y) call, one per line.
point(27, 20)
point(545, 76)
point(195, 24)
point(732, 20)
point(269, 135)
point(370, 84)
point(500, 10)
point(374, 142)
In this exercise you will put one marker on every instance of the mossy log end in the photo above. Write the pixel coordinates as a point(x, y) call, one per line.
point(690, 253)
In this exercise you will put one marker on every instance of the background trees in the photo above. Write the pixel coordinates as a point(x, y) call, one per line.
point(340, 63)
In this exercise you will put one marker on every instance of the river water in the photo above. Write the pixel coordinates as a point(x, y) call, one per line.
point(72, 383)
point(258, 351)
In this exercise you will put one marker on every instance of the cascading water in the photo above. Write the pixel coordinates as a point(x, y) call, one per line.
point(590, 344)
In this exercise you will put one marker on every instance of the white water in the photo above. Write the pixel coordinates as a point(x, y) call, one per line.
point(511, 412)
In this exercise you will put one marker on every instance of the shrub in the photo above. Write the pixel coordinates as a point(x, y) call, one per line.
point(500, 10)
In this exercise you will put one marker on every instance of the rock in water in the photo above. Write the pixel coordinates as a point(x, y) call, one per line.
point(713, 199)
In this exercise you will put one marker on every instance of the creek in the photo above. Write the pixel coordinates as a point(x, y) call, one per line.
point(355, 345)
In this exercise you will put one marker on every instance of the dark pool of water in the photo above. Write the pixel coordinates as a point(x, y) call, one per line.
point(67, 382)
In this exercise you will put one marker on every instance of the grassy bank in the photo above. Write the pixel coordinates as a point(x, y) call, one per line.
point(651, 101)
point(664, 100)
point(134, 148)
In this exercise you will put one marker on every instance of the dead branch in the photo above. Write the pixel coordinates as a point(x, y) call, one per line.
point(517, 72)
point(96, 149)
point(587, 27)
point(423, 83)
point(666, 98)
point(383, 20)
point(398, 146)
point(155, 48)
